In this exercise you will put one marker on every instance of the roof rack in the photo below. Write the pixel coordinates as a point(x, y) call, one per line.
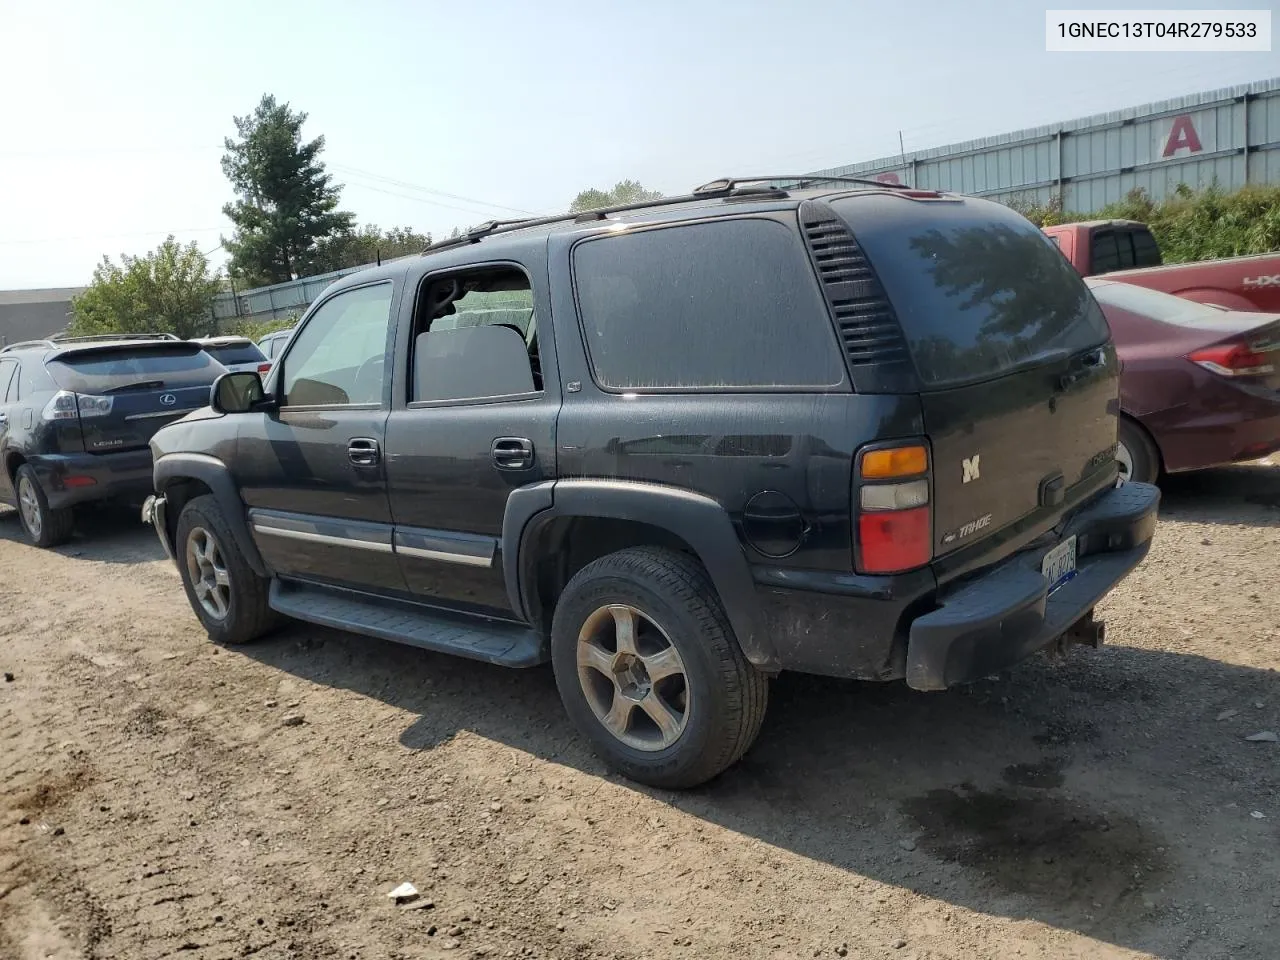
point(724, 187)
point(22, 344)
point(113, 336)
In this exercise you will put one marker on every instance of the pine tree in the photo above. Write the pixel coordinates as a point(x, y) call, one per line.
point(286, 202)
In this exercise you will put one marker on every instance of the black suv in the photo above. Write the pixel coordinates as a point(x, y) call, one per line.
point(76, 415)
point(675, 448)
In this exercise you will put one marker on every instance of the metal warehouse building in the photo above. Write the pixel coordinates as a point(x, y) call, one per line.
point(1231, 135)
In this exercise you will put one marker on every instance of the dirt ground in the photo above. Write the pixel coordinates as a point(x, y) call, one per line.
point(156, 803)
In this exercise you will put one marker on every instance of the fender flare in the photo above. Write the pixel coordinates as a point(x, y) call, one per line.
point(213, 473)
point(699, 521)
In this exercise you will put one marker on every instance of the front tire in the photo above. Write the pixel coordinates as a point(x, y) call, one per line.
point(225, 593)
point(45, 527)
point(649, 670)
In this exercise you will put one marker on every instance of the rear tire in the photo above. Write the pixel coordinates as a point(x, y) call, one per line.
point(670, 700)
point(44, 526)
point(1137, 454)
point(227, 596)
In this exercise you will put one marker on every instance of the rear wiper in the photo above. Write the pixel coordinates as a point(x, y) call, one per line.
point(136, 385)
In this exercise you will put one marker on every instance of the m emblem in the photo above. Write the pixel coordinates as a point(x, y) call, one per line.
point(970, 465)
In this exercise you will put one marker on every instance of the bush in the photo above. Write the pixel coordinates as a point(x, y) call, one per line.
point(255, 330)
point(1191, 224)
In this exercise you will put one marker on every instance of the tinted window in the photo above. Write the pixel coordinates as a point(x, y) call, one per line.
point(1146, 252)
point(978, 289)
point(337, 358)
point(1160, 306)
point(1106, 252)
point(182, 365)
point(727, 304)
point(231, 353)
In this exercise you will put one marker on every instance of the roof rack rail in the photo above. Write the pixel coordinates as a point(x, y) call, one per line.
point(477, 233)
point(113, 336)
point(726, 185)
point(26, 343)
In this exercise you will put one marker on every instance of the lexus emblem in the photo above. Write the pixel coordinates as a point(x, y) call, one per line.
point(168, 399)
point(969, 467)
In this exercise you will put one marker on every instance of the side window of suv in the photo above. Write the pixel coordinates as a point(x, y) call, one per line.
point(475, 338)
point(731, 304)
point(337, 359)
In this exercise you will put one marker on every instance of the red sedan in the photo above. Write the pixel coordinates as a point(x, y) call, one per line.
point(1199, 385)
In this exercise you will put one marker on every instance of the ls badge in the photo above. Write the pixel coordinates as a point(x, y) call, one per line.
point(970, 467)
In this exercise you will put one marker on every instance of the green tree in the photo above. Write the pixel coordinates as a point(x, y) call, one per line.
point(286, 202)
point(626, 191)
point(169, 290)
point(359, 247)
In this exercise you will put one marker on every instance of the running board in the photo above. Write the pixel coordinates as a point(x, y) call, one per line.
point(508, 645)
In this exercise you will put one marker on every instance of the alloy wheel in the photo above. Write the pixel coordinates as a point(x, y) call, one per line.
point(633, 677)
point(207, 571)
point(1125, 459)
point(29, 504)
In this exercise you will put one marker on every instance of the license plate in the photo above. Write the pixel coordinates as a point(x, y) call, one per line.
point(1059, 564)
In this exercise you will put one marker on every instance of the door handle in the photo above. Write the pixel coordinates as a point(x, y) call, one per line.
point(363, 451)
point(512, 453)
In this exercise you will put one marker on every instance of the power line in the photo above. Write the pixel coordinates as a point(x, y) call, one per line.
point(435, 203)
point(113, 236)
point(391, 181)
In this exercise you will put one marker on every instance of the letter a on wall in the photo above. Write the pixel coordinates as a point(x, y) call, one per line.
point(1182, 134)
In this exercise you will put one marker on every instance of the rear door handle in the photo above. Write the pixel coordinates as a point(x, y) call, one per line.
point(363, 451)
point(512, 453)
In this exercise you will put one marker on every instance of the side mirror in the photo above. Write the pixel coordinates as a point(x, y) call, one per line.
point(237, 392)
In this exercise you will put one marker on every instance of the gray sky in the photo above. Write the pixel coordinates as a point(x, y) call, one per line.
point(113, 114)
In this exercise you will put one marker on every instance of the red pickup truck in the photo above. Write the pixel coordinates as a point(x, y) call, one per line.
point(1126, 251)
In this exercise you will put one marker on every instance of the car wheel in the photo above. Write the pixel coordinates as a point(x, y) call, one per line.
point(225, 593)
point(45, 526)
point(649, 669)
point(1137, 456)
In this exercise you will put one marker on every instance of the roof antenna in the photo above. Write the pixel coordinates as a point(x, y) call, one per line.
point(902, 151)
point(378, 252)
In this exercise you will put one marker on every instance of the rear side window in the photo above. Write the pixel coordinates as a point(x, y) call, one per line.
point(721, 305)
point(979, 291)
point(1105, 255)
point(230, 353)
point(99, 371)
point(1146, 252)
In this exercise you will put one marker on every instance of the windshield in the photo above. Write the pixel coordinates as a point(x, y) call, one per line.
point(230, 353)
point(1164, 307)
point(100, 372)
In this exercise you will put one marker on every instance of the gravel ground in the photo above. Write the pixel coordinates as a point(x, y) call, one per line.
point(163, 797)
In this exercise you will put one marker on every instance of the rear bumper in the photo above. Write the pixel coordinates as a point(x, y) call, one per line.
point(1006, 614)
point(74, 478)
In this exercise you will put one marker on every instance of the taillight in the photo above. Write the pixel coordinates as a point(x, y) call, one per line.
point(895, 519)
point(264, 368)
point(1233, 360)
point(65, 405)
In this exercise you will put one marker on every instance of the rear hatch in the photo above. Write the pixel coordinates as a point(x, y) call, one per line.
point(124, 392)
point(1017, 379)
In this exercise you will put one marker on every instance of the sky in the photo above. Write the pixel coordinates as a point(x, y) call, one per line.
point(435, 115)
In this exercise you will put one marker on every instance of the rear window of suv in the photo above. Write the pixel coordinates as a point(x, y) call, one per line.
point(97, 371)
point(231, 353)
point(979, 291)
point(730, 304)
